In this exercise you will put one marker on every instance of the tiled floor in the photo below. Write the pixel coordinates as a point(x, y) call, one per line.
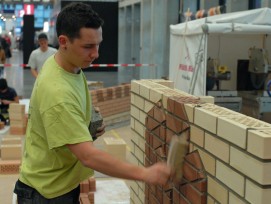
point(22, 80)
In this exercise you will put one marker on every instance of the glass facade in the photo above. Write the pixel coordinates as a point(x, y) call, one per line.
point(12, 14)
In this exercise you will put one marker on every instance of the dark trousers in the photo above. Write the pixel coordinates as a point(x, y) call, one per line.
point(1, 72)
point(28, 195)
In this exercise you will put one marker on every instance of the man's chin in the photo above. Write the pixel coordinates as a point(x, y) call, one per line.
point(86, 66)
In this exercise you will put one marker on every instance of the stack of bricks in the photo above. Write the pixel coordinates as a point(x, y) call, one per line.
point(232, 150)
point(87, 190)
point(18, 119)
point(11, 145)
point(114, 102)
point(11, 153)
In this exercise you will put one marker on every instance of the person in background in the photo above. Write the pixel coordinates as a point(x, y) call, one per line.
point(2, 60)
point(5, 47)
point(8, 40)
point(8, 95)
point(40, 55)
point(59, 152)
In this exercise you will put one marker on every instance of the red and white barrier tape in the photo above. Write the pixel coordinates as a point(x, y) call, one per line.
point(122, 65)
point(92, 65)
point(13, 65)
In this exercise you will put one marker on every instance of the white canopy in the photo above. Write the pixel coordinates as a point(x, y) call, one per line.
point(189, 42)
point(250, 21)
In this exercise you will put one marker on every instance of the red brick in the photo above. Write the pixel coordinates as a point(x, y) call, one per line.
point(191, 173)
point(153, 199)
point(179, 110)
point(84, 186)
point(147, 150)
point(127, 89)
point(169, 134)
point(153, 158)
point(201, 185)
point(194, 159)
point(170, 104)
point(151, 112)
point(156, 142)
point(151, 124)
point(17, 130)
point(167, 197)
point(147, 191)
point(91, 197)
point(99, 95)
point(183, 200)
point(152, 188)
point(176, 196)
point(159, 194)
point(109, 94)
point(92, 184)
point(9, 166)
point(84, 198)
point(148, 137)
point(175, 124)
point(159, 114)
point(118, 92)
point(194, 196)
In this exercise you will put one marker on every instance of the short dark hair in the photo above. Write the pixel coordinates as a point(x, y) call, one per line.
point(75, 16)
point(42, 36)
point(3, 84)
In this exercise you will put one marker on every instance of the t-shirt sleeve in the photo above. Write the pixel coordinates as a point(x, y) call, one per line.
point(65, 124)
point(31, 61)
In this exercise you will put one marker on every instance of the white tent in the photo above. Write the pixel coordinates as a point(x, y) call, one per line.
point(226, 37)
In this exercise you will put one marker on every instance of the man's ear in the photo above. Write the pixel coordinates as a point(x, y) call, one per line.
point(63, 40)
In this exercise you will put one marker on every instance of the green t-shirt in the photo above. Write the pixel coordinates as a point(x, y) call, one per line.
point(59, 114)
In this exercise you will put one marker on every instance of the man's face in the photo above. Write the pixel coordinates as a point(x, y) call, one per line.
point(43, 43)
point(84, 50)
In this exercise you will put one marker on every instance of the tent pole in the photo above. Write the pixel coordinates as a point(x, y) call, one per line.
point(196, 67)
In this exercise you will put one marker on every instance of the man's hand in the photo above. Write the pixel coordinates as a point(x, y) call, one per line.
point(100, 130)
point(97, 126)
point(159, 173)
point(6, 102)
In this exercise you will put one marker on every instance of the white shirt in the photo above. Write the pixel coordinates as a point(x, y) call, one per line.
point(38, 57)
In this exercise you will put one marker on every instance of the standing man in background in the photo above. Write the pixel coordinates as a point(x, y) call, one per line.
point(40, 55)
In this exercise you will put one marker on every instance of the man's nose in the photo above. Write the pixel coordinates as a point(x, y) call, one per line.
point(95, 52)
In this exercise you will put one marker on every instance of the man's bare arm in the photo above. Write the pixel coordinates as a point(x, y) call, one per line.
point(103, 162)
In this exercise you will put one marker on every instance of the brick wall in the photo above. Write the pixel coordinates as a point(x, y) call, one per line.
point(114, 102)
point(234, 149)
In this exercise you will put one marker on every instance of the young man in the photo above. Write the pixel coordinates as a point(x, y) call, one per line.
point(59, 151)
point(40, 55)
